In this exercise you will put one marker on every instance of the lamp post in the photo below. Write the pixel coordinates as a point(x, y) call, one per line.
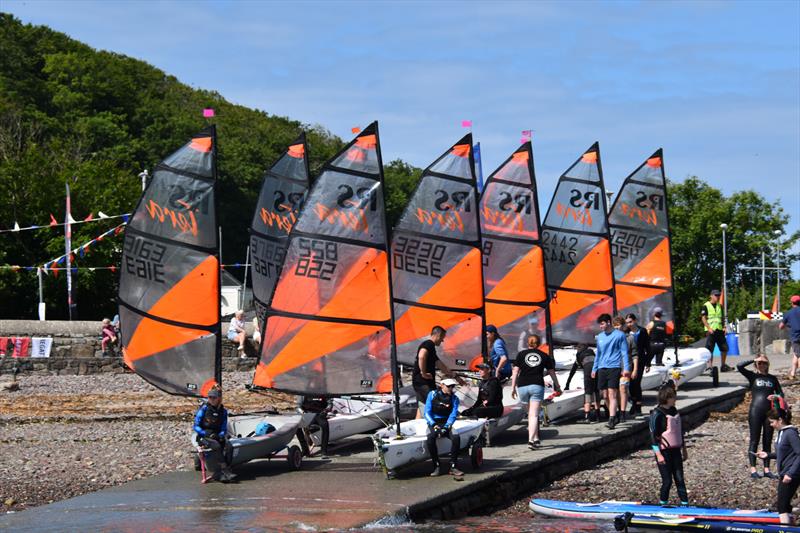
point(724, 278)
point(777, 233)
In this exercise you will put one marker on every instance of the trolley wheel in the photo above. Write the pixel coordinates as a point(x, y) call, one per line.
point(715, 376)
point(295, 458)
point(476, 455)
point(197, 465)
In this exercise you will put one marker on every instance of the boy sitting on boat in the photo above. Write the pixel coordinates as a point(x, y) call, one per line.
point(441, 410)
point(211, 425)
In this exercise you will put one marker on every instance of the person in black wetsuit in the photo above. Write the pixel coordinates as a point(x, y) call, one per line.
point(320, 406)
point(584, 359)
point(787, 455)
point(667, 442)
point(489, 403)
point(642, 340)
point(657, 330)
point(211, 429)
point(441, 410)
point(763, 386)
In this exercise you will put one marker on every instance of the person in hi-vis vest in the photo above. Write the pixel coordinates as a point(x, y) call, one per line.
point(714, 324)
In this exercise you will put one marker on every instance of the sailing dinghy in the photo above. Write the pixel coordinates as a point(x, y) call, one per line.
point(328, 322)
point(437, 280)
point(169, 292)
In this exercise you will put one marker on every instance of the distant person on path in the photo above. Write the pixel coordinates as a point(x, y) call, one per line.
point(489, 403)
point(667, 442)
point(610, 362)
point(626, 377)
point(584, 359)
point(108, 335)
point(441, 410)
point(423, 377)
point(256, 333)
point(657, 330)
point(532, 329)
point(498, 353)
point(641, 340)
point(527, 380)
point(787, 453)
point(763, 387)
point(713, 322)
point(792, 319)
point(236, 331)
point(211, 427)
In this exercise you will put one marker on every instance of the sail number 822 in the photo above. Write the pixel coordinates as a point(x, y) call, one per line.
point(318, 259)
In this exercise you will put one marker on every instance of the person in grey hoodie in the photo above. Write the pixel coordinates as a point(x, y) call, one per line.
point(787, 453)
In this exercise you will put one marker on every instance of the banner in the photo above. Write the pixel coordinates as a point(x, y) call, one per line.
point(20, 346)
point(40, 346)
point(4, 345)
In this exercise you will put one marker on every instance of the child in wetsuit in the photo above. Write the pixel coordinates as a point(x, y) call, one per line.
point(763, 386)
point(668, 445)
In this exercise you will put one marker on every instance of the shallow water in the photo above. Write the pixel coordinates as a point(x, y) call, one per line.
point(494, 524)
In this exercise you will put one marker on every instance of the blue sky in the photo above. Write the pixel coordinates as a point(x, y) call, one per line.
point(716, 84)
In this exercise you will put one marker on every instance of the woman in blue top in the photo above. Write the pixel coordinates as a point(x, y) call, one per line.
point(498, 353)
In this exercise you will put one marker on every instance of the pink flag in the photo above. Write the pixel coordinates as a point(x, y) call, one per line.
point(523, 140)
point(466, 123)
point(526, 133)
point(355, 130)
point(53, 220)
point(208, 112)
point(90, 217)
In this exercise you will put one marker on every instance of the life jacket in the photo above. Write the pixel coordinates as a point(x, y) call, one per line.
point(673, 436)
point(714, 315)
point(212, 418)
point(659, 331)
point(441, 405)
point(484, 390)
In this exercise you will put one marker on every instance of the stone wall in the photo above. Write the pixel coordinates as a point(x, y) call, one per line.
point(762, 336)
point(77, 350)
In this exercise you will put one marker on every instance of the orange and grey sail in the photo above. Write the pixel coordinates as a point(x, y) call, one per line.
point(514, 278)
point(169, 291)
point(329, 322)
point(283, 192)
point(640, 243)
point(436, 262)
point(575, 239)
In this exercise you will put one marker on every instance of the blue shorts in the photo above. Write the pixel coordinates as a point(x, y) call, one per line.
point(232, 333)
point(531, 392)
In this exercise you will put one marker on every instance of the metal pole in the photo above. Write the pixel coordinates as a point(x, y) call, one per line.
point(41, 293)
point(763, 280)
point(724, 279)
point(244, 285)
point(778, 272)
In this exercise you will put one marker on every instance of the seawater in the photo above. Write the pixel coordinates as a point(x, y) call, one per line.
point(492, 524)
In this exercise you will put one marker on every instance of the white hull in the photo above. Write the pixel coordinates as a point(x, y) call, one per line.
point(394, 453)
point(566, 356)
point(353, 417)
point(246, 448)
point(512, 415)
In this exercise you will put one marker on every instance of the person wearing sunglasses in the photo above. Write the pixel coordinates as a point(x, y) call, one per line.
point(763, 386)
point(441, 410)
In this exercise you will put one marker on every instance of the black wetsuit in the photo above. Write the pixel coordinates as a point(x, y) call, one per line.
point(490, 390)
point(658, 342)
point(319, 405)
point(761, 386)
point(585, 360)
point(672, 452)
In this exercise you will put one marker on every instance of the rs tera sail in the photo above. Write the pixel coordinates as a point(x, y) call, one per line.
point(436, 262)
point(169, 299)
point(513, 265)
point(328, 326)
point(640, 243)
point(576, 251)
point(283, 192)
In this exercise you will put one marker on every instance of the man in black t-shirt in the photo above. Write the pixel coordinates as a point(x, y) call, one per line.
point(423, 377)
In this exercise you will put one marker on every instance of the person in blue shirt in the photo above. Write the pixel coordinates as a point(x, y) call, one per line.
point(498, 353)
point(441, 410)
point(211, 426)
point(792, 319)
point(611, 360)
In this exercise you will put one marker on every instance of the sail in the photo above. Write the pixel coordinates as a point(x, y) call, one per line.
point(283, 192)
point(169, 298)
point(328, 326)
point(513, 263)
point(640, 243)
point(436, 262)
point(576, 252)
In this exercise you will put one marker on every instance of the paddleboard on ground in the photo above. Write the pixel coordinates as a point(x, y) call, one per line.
point(611, 509)
point(629, 522)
